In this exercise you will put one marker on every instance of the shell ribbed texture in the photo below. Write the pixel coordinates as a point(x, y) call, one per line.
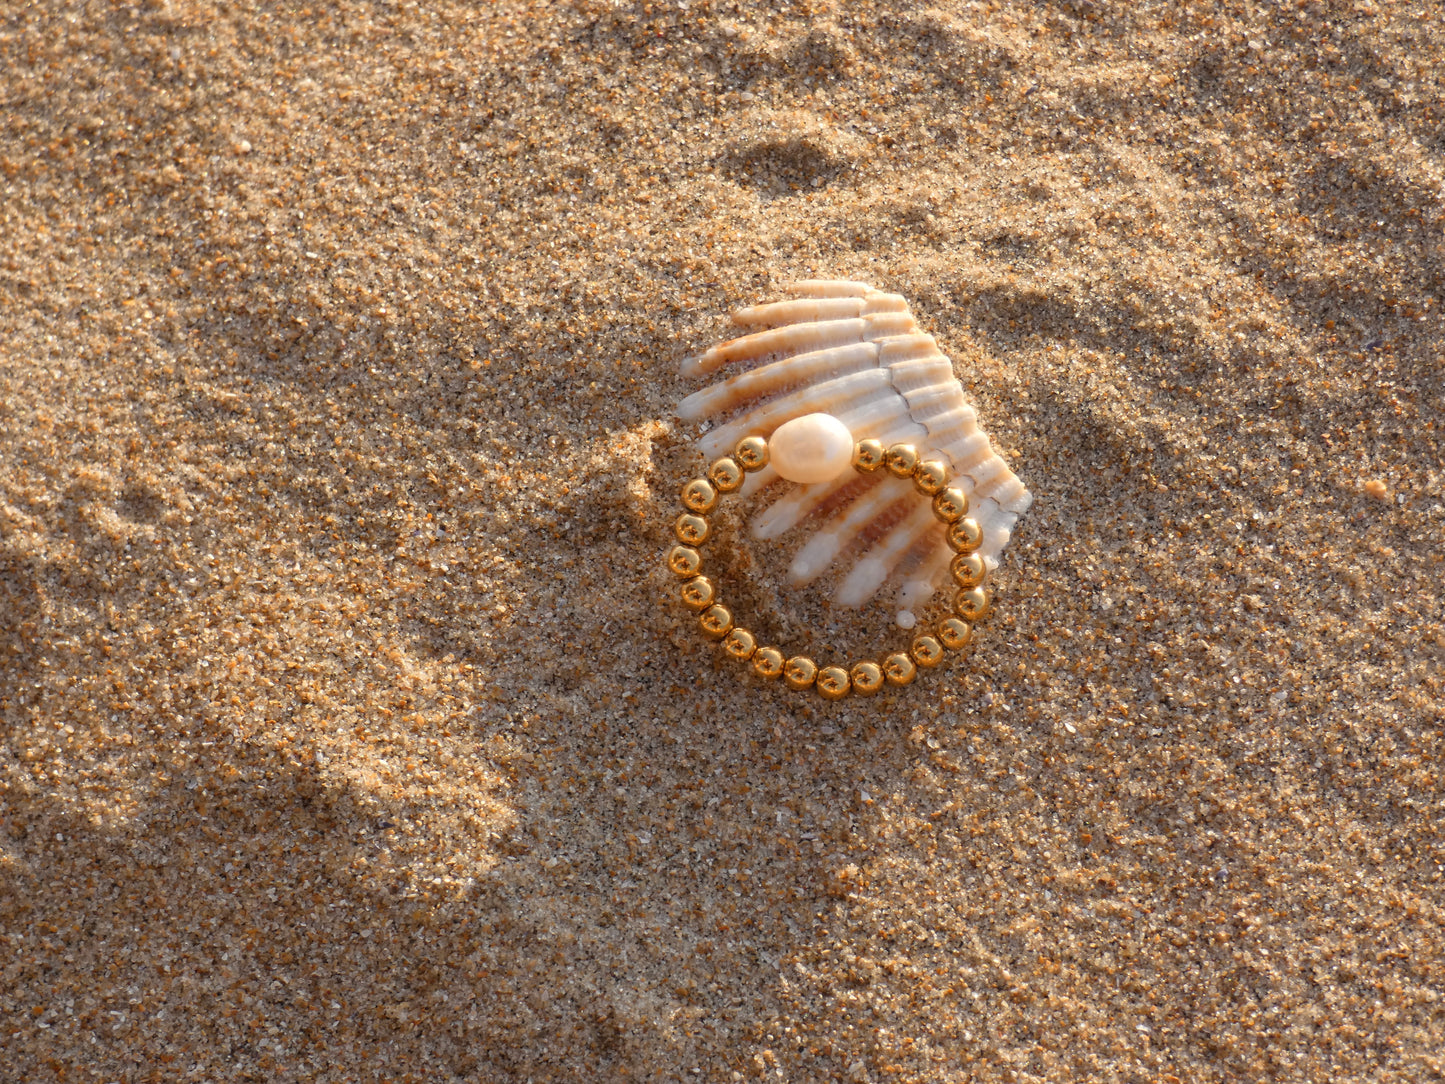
point(846, 349)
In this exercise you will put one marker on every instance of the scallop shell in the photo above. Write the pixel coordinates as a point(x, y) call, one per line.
point(846, 349)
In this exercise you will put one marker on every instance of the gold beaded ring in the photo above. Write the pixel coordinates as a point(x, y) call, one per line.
point(971, 603)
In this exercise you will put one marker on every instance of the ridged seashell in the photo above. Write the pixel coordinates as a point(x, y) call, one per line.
point(846, 349)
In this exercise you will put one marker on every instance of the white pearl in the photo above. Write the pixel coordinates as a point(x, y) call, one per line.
point(813, 448)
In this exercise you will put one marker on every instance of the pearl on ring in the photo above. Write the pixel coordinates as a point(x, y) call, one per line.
point(813, 448)
point(809, 450)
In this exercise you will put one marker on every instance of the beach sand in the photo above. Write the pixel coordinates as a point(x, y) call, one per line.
point(350, 731)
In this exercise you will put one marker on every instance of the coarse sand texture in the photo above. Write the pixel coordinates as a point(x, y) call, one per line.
point(350, 727)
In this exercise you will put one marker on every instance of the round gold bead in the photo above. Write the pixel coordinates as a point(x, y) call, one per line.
point(740, 644)
point(752, 453)
point(684, 561)
point(725, 474)
point(968, 569)
point(927, 652)
point(692, 530)
point(867, 678)
point(833, 683)
point(868, 455)
point(965, 535)
point(799, 672)
point(698, 593)
point(716, 621)
point(955, 633)
point(901, 460)
point(973, 603)
point(951, 505)
point(930, 476)
point(899, 669)
point(699, 496)
point(767, 662)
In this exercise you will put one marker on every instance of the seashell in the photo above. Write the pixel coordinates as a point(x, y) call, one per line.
point(847, 350)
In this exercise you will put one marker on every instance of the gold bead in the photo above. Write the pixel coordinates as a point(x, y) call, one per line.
point(752, 453)
point(867, 678)
point(951, 505)
point(716, 621)
point(973, 603)
point(901, 460)
point(833, 683)
point(930, 476)
point(899, 669)
point(965, 535)
point(799, 672)
point(692, 530)
point(955, 633)
point(699, 496)
point(927, 652)
point(767, 662)
point(968, 569)
point(740, 644)
point(868, 455)
point(698, 593)
point(725, 474)
point(684, 560)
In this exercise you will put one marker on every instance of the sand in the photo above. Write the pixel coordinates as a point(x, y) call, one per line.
point(349, 730)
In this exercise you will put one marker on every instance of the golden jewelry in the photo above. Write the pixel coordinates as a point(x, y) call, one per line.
point(926, 651)
point(954, 632)
point(867, 678)
point(716, 621)
point(930, 476)
point(767, 662)
point(972, 603)
point(740, 644)
point(868, 455)
point(799, 672)
point(951, 505)
point(968, 570)
point(698, 593)
point(833, 682)
point(725, 474)
point(684, 561)
point(699, 496)
point(964, 535)
point(752, 453)
point(901, 460)
point(899, 669)
point(692, 530)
